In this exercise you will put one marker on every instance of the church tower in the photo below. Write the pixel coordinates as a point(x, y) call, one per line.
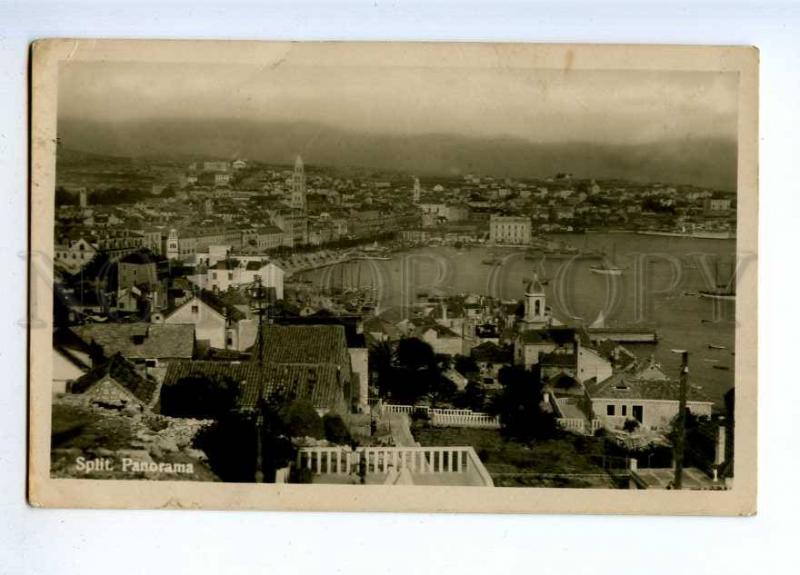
point(417, 190)
point(536, 314)
point(298, 200)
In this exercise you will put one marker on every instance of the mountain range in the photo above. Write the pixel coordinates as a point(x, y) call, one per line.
point(704, 162)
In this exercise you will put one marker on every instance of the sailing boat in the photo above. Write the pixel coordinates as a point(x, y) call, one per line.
point(608, 268)
point(720, 291)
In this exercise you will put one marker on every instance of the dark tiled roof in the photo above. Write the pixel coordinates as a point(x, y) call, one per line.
point(355, 337)
point(307, 344)
point(228, 264)
point(558, 359)
point(255, 266)
point(157, 341)
point(124, 373)
point(559, 335)
point(441, 330)
point(319, 384)
point(491, 352)
point(140, 257)
point(640, 385)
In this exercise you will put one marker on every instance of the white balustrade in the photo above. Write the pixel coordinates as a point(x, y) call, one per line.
point(579, 425)
point(447, 417)
point(340, 460)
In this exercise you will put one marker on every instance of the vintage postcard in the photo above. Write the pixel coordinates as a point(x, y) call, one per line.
point(506, 278)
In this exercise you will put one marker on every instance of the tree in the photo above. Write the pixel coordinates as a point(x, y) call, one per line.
point(466, 365)
point(381, 361)
point(630, 425)
point(418, 372)
point(231, 445)
point(200, 396)
point(335, 429)
point(700, 440)
point(473, 397)
point(441, 389)
point(414, 354)
point(302, 420)
point(519, 405)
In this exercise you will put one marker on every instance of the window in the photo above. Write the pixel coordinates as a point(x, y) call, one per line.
point(195, 308)
point(609, 410)
point(213, 275)
point(624, 410)
point(638, 413)
point(230, 275)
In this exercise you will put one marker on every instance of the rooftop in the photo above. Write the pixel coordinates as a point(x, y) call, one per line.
point(319, 384)
point(140, 340)
point(646, 383)
point(124, 373)
point(558, 335)
point(305, 344)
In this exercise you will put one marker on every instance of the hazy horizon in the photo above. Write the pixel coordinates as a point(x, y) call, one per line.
point(537, 105)
point(675, 125)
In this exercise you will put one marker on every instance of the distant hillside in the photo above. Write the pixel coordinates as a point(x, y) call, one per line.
point(701, 162)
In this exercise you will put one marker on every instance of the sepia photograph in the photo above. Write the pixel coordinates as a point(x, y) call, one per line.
point(393, 276)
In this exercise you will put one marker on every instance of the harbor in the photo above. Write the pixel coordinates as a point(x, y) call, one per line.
point(668, 313)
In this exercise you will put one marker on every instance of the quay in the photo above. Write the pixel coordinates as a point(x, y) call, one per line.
point(622, 335)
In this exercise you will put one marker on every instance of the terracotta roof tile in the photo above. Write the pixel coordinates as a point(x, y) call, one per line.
point(124, 373)
point(140, 340)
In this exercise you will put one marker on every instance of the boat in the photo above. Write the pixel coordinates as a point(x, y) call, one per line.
point(608, 268)
point(712, 346)
point(377, 258)
point(718, 295)
point(722, 367)
point(721, 291)
point(693, 234)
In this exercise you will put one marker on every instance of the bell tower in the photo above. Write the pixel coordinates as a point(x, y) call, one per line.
point(298, 197)
point(536, 314)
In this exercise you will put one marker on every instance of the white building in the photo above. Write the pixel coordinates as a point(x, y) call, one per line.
point(74, 255)
point(217, 325)
point(215, 166)
point(510, 230)
point(222, 179)
point(241, 272)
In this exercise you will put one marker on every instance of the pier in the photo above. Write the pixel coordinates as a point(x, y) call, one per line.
point(623, 335)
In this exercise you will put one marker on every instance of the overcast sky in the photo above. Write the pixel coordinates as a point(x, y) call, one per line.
point(537, 105)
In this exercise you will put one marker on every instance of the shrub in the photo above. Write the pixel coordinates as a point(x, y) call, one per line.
point(631, 425)
point(199, 396)
point(420, 415)
point(300, 475)
point(335, 429)
point(302, 420)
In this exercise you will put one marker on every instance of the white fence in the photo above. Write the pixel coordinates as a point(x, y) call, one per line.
point(480, 420)
point(579, 425)
point(340, 460)
point(447, 417)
